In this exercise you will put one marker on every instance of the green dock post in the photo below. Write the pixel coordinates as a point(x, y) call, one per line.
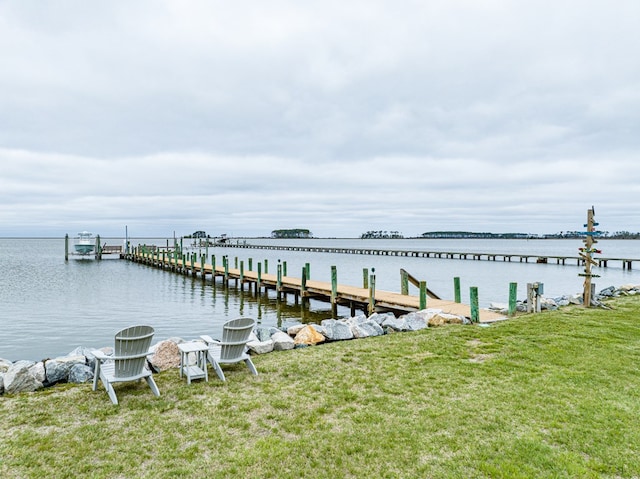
point(235, 264)
point(456, 290)
point(404, 283)
point(365, 278)
point(513, 298)
point(241, 275)
point(225, 259)
point(372, 292)
point(475, 311)
point(284, 268)
point(423, 295)
point(250, 264)
point(66, 247)
point(203, 259)
point(259, 283)
point(266, 266)
point(98, 248)
point(307, 266)
point(213, 267)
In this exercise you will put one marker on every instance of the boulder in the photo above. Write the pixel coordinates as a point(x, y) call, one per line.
point(5, 364)
point(39, 371)
point(87, 353)
point(418, 320)
point(264, 333)
point(366, 329)
point(380, 317)
point(19, 378)
point(336, 330)
point(308, 335)
point(295, 329)
point(80, 373)
point(57, 370)
point(1, 383)
point(282, 341)
point(395, 324)
point(260, 347)
point(166, 355)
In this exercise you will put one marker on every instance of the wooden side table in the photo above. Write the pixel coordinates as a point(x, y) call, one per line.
point(199, 369)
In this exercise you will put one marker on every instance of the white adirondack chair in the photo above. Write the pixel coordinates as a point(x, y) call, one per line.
point(232, 347)
point(128, 362)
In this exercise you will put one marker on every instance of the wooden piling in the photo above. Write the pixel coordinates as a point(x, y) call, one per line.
point(404, 282)
point(365, 278)
point(334, 289)
point(475, 310)
point(513, 298)
point(66, 247)
point(456, 290)
point(423, 294)
point(372, 292)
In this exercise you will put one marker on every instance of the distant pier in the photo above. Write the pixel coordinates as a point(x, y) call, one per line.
point(507, 257)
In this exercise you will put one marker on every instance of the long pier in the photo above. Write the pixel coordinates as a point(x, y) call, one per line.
point(366, 299)
point(507, 257)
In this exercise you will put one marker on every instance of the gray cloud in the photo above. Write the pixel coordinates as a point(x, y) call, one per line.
point(336, 116)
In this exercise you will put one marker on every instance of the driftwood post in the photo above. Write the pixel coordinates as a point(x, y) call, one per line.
point(334, 290)
point(586, 254)
point(372, 292)
point(66, 247)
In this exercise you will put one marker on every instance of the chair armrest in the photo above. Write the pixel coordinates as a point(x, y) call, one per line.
point(100, 355)
point(207, 339)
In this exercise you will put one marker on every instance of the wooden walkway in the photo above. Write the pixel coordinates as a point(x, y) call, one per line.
point(351, 296)
point(507, 257)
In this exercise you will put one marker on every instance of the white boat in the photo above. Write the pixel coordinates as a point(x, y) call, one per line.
point(85, 243)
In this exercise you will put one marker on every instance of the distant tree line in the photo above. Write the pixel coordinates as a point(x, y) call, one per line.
point(560, 235)
point(381, 235)
point(292, 233)
point(470, 234)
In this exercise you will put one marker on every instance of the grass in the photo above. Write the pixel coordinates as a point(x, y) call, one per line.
point(553, 395)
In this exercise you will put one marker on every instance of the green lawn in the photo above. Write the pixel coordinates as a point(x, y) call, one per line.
point(554, 395)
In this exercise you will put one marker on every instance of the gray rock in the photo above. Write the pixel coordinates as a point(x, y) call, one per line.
point(415, 321)
point(260, 347)
point(5, 364)
point(381, 317)
point(1, 383)
point(282, 341)
point(336, 330)
point(90, 359)
point(19, 378)
point(361, 318)
point(80, 373)
point(366, 329)
point(264, 333)
point(396, 324)
point(608, 292)
point(57, 369)
point(39, 372)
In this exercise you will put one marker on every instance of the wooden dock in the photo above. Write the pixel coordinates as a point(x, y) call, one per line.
point(507, 257)
point(364, 299)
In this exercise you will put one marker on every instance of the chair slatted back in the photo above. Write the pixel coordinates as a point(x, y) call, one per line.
point(235, 334)
point(131, 350)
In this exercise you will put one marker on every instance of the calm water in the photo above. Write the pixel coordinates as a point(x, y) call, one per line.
point(48, 307)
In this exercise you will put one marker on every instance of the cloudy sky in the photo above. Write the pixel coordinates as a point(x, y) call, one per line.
point(337, 116)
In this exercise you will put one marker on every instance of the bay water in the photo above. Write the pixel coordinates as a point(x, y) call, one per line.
point(49, 306)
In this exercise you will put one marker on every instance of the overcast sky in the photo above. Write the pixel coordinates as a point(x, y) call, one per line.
point(337, 116)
